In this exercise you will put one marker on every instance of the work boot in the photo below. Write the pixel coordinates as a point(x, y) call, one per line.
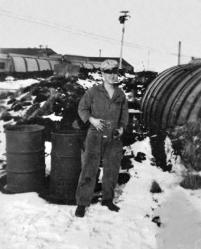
point(111, 206)
point(80, 211)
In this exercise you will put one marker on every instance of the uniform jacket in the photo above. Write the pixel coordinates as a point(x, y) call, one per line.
point(97, 103)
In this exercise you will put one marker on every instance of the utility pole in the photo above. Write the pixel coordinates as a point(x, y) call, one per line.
point(122, 19)
point(148, 60)
point(179, 53)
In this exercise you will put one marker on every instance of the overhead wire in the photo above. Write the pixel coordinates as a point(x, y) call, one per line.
point(72, 30)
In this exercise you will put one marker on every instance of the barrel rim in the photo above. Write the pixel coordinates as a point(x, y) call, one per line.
point(68, 132)
point(21, 128)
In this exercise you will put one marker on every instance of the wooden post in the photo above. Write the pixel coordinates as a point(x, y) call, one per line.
point(179, 53)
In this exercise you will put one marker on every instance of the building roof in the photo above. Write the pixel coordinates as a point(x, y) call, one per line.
point(195, 60)
point(95, 60)
point(82, 61)
point(28, 51)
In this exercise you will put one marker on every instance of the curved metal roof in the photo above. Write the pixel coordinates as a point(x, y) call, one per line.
point(173, 98)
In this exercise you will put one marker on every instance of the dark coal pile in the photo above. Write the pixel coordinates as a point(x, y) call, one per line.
point(157, 220)
point(126, 162)
point(123, 178)
point(140, 157)
point(57, 96)
point(155, 187)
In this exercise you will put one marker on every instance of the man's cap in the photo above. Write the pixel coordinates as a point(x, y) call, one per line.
point(109, 65)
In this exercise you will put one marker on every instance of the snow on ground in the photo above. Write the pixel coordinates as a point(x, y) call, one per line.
point(182, 221)
point(96, 76)
point(53, 117)
point(28, 221)
point(12, 85)
point(87, 83)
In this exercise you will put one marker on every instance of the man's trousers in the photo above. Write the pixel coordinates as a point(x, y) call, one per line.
point(97, 149)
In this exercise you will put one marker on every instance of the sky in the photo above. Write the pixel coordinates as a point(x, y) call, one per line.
point(92, 28)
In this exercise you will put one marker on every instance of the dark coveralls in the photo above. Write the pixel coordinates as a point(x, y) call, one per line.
point(97, 103)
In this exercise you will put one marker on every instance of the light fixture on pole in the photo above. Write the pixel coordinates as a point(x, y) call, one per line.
point(122, 19)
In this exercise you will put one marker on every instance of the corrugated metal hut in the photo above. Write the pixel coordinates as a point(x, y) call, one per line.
point(173, 98)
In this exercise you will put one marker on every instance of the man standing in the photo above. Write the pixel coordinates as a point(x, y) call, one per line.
point(105, 108)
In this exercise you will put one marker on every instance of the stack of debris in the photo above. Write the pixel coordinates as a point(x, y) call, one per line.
point(51, 102)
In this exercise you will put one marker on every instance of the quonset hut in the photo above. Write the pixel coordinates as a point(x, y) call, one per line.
point(173, 98)
point(21, 61)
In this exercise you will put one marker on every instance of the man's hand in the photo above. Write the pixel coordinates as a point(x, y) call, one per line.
point(97, 123)
point(118, 133)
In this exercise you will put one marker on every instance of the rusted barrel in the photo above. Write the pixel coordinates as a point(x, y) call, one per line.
point(65, 165)
point(25, 158)
point(173, 98)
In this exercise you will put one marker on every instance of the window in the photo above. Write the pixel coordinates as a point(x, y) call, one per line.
point(2, 65)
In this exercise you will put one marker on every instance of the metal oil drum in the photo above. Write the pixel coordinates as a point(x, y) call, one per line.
point(65, 164)
point(25, 158)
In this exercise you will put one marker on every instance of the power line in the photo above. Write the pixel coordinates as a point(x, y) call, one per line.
point(72, 30)
point(55, 25)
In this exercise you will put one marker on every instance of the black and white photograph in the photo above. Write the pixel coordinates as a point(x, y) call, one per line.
point(100, 124)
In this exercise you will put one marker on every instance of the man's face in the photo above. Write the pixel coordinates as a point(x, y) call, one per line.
point(110, 77)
